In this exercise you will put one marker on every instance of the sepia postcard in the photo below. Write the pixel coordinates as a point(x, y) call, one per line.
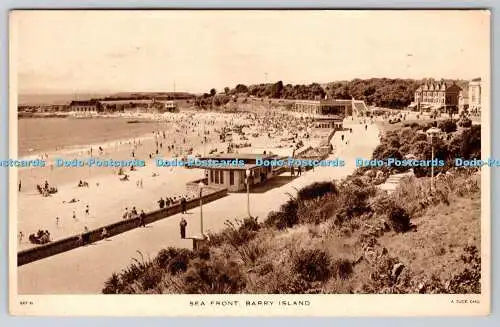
point(249, 162)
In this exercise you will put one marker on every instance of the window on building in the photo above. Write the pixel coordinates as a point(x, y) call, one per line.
point(222, 177)
point(231, 177)
point(216, 177)
point(211, 176)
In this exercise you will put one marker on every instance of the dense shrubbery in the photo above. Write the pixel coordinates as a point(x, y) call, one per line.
point(399, 219)
point(286, 217)
point(447, 126)
point(316, 190)
point(212, 277)
point(411, 141)
point(174, 260)
point(236, 233)
point(469, 280)
point(353, 200)
point(312, 265)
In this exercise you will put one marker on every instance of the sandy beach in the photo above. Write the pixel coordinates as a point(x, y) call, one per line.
point(55, 213)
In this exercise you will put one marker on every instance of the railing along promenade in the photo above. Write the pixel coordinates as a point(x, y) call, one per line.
point(73, 242)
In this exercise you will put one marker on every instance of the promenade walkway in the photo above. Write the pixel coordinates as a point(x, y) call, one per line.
point(84, 270)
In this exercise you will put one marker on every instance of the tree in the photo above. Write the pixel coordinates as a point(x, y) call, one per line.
point(276, 90)
point(448, 126)
point(241, 88)
point(213, 92)
point(226, 90)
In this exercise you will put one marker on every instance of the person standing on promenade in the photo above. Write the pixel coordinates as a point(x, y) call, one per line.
point(20, 237)
point(183, 225)
point(87, 210)
point(161, 203)
point(74, 215)
point(86, 236)
point(183, 204)
point(57, 221)
point(19, 185)
point(142, 218)
point(104, 233)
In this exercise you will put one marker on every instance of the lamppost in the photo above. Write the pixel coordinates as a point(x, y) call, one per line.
point(248, 191)
point(200, 186)
point(432, 132)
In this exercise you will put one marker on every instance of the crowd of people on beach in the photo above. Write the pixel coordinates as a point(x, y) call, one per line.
point(46, 189)
point(184, 134)
point(41, 237)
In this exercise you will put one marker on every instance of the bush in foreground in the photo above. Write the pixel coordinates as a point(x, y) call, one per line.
point(174, 260)
point(399, 219)
point(213, 277)
point(313, 265)
point(286, 217)
point(316, 190)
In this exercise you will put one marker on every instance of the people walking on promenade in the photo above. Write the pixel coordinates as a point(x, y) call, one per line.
point(183, 225)
point(161, 203)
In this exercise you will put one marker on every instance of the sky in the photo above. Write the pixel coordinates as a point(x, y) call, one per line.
point(140, 51)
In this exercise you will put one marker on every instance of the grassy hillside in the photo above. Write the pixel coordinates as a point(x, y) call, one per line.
point(348, 237)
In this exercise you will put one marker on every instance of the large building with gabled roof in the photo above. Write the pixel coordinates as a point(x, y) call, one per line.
point(437, 96)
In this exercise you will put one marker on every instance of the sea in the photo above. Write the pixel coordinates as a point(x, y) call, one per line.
point(45, 135)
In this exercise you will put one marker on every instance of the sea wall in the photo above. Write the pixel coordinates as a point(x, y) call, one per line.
point(73, 242)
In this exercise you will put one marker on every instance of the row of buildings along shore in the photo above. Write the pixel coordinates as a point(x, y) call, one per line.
point(448, 97)
point(108, 106)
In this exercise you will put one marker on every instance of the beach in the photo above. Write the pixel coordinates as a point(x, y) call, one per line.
point(64, 213)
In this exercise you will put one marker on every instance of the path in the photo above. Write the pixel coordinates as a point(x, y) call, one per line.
point(393, 181)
